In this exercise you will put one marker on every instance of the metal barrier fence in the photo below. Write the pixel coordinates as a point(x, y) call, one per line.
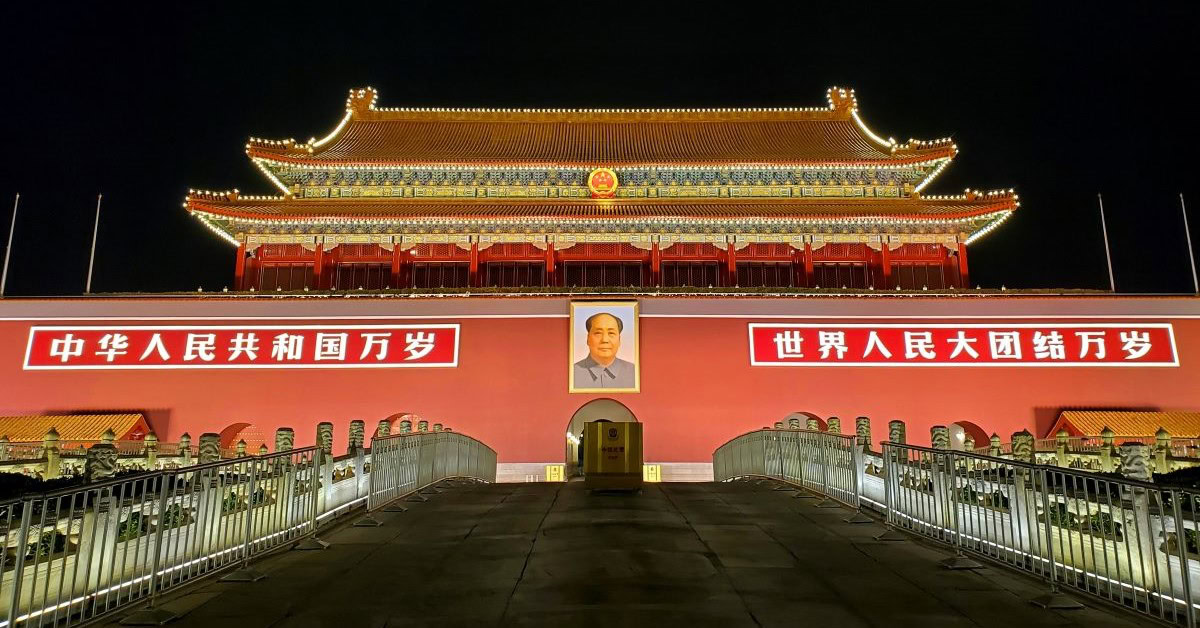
point(1131, 543)
point(829, 464)
point(403, 463)
point(72, 555)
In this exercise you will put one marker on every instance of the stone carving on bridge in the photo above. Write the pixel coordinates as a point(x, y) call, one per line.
point(778, 425)
point(384, 428)
point(1134, 462)
point(896, 431)
point(185, 448)
point(812, 424)
point(939, 435)
point(325, 437)
point(834, 424)
point(1022, 446)
point(437, 427)
point(406, 427)
point(210, 447)
point(793, 423)
point(357, 433)
point(994, 449)
point(422, 426)
point(285, 438)
point(101, 462)
point(862, 429)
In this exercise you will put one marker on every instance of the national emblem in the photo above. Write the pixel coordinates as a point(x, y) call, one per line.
point(602, 182)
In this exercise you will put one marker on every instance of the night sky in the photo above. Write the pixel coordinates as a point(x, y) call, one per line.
point(1058, 102)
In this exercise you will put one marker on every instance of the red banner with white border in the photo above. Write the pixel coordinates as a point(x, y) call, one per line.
point(244, 346)
point(1020, 345)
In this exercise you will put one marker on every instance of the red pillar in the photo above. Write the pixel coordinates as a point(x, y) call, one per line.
point(473, 267)
point(885, 263)
point(963, 276)
point(808, 265)
point(396, 252)
point(655, 265)
point(250, 280)
point(731, 265)
point(550, 277)
point(239, 267)
point(318, 265)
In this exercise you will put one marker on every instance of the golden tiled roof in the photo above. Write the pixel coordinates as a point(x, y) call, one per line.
point(1122, 423)
point(415, 209)
point(608, 137)
point(33, 427)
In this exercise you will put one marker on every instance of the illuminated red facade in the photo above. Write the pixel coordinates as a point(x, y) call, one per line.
point(404, 202)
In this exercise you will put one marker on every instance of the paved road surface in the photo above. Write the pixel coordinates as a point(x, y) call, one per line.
point(692, 555)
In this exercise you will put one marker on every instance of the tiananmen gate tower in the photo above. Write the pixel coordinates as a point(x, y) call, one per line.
point(459, 198)
point(512, 273)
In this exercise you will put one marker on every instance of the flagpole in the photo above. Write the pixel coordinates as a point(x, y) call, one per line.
point(1187, 233)
point(92, 258)
point(8, 249)
point(1112, 283)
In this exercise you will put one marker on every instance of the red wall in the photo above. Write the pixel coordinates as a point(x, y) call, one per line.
point(510, 389)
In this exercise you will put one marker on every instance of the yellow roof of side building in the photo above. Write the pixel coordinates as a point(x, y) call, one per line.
point(86, 427)
point(1123, 423)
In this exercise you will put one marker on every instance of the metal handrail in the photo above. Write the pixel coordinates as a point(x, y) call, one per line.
point(1130, 542)
point(84, 551)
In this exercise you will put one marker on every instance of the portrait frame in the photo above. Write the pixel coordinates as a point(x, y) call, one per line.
point(628, 312)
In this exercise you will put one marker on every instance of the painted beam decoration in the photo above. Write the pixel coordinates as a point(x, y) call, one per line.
point(995, 345)
point(241, 346)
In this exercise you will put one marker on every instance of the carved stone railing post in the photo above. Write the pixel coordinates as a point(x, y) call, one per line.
point(778, 425)
point(150, 450)
point(969, 447)
point(1022, 446)
point(325, 451)
point(1135, 465)
point(1162, 450)
point(108, 437)
point(1060, 448)
point(896, 435)
point(994, 448)
point(263, 450)
point(355, 441)
point(437, 427)
point(210, 447)
point(285, 439)
point(812, 424)
point(422, 426)
point(1107, 450)
point(185, 449)
point(834, 425)
point(862, 429)
point(939, 437)
point(240, 448)
point(5, 448)
point(101, 462)
point(941, 474)
point(384, 428)
point(325, 438)
point(406, 427)
point(793, 423)
point(53, 455)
